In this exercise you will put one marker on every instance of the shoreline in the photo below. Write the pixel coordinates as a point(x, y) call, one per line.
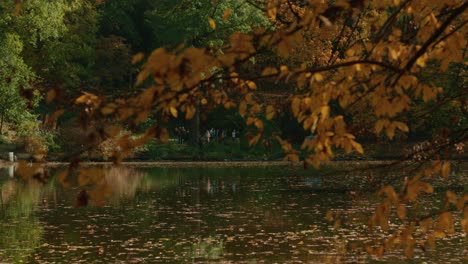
point(200, 164)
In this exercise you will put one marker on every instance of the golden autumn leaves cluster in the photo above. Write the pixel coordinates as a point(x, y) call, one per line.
point(414, 229)
point(371, 51)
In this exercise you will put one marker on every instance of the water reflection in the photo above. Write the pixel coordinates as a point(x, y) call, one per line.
point(20, 228)
point(242, 215)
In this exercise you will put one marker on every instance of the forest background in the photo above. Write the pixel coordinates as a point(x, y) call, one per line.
point(308, 81)
point(61, 49)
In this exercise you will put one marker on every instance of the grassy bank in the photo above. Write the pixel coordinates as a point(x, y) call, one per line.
point(232, 150)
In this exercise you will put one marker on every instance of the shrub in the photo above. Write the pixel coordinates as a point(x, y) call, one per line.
point(74, 140)
point(34, 140)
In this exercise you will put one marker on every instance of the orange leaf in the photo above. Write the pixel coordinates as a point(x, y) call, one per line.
point(243, 108)
point(451, 197)
point(426, 224)
point(212, 23)
point(138, 57)
point(401, 211)
point(190, 112)
point(51, 94)
point(254, 140)
point(329, 215)
point(269, 71)
point(401, 126)
point(445, 171)
point(173, 111)
point(295, 106)
point(270, 112)
point(251, 85)
point(226, 14)
point(357, 147)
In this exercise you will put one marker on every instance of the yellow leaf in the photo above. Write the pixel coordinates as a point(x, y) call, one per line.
point(164, 135)
point(451, 197)
point(272, 13)
point(243, 108)
point(269, 71)
point(401, 126)
point(173, 111)
point(337, 224)
point(445, 171)
point(254, 140)
point(138, 57)
point(426, 224)
point(393, 54)
point(444, 222)
point(426, 187)
point(81, 100)
point(226, 14)
point(229, 104)
point(142, 116)
point(284, 70)
point(429, 93)
point(357, 147)
point(190, 112)
point(308, 122)
point(259, 124)
point(390, 131)
point(51, 94)
point(204, 101)
point(88, 99)
point(18, 8)
point(439, 234)
point(380, 124)
point(358, 67)
point(464, 224)
point(270, 112)
point(325, 112)
point(390, 192)
point(212, 23)
point(234, 77)
point(113, 131)
point(421, 62)
point(461, 204)
point(295, 106)
point(342, 3)
point(108, 109)
point(409, 250)
point(329, 215)
point(401, 211)
point(325, 21)
point(251, 85)
point(62, 178)
point(431, 241)
point(318, 77)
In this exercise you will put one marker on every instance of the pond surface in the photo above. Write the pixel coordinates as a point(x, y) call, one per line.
point(181, 215)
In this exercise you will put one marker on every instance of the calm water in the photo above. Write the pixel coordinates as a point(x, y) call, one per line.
point(181, 215)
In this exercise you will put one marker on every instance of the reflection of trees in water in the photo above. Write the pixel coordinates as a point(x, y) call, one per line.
point(123, 183)
point(108, 185)
point(7, 191)
point(20, 229)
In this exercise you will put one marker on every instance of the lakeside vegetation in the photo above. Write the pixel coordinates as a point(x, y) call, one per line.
point(309, 82)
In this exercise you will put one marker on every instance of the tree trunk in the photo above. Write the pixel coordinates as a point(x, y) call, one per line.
point(1, 199)
point(1, 124)
point(195, 126)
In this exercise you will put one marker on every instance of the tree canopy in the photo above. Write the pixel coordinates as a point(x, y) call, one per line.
point(386, 67)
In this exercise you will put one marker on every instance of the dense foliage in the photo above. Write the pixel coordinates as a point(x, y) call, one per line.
point(315, 76)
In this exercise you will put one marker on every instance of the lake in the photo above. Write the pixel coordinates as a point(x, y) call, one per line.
point(263, 214)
